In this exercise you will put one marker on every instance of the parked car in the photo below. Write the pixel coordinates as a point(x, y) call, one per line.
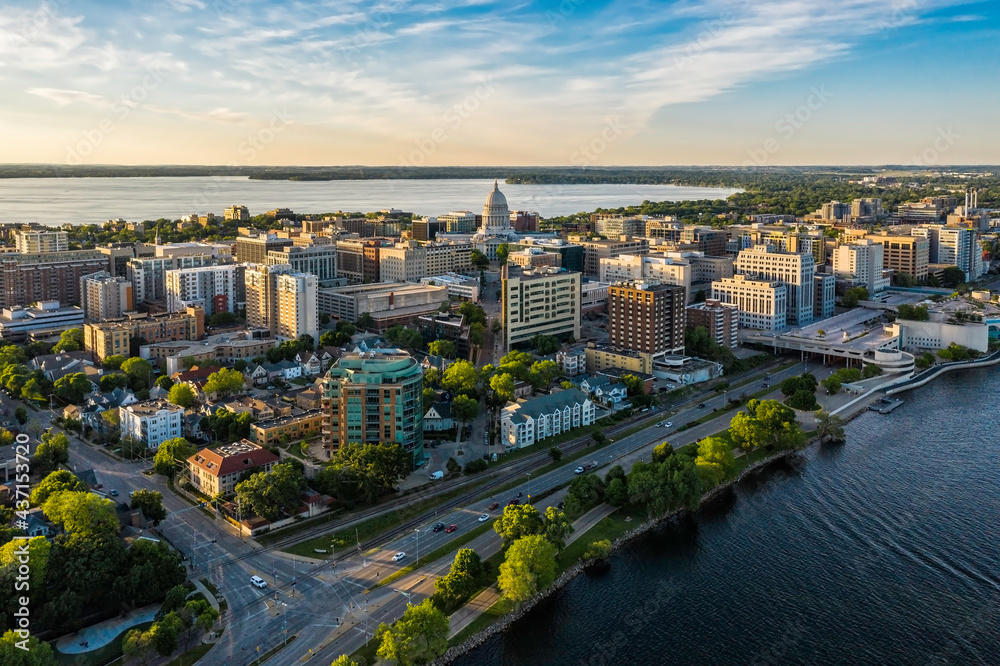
point(113, 493)
point(398, 556)
point(257, 581)
point(439, 527)
point(483, 518)
point(450, 529)
point(494, 506)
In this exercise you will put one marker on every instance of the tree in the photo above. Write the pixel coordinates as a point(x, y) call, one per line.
point(365, 320)
point(503, 251)
point(21, 414)
point(419, 636)
point(543, 373)
point(803, 400)
point(82, 512)
point(165, 633)
point(715, 459)
point(404, 337)
point(52, 451)
point(226, 426)
point(139, 371)
point(442, 348)
point(224, 382)
point(477, 334)
point(464, 409)
point(137, 645)
point(556, 454)
point(69, 340)
point(344, 660)
point(871, 370)
point(546, 344)
point(59, 481)
point(598, 550)
point(557, 527)
point(150, 573)
point(586, 489)
point(475, 466)
point(113, 362)
point(165, 382)
point(266, 494)
point(113, 381)
point(181, 395)
point(913, 312)
point(503, 389)
point(34, 652)
point(151, 503)
point(479, 260)
point(747, 432)
point(832, 385)
point(169, 453)
point(461, 378)
point(518, 520)
point(528, 567)
point(952, 276)
point(429, 396)
point(829, 427)
point(853, 295)
point(617, 493)
point(464, 578)
point(453, 466)
point(633, 385)
point(364, 471)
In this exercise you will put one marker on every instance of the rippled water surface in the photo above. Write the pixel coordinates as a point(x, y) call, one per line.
point(885, 550)
point(57, 201)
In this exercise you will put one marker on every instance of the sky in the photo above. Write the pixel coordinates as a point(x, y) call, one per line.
point(475, 82)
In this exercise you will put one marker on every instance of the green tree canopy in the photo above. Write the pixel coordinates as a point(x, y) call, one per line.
point(33, 653)
point(502, 386)
point(461, 378)
point(715, 459)
point(442, 348)
point(518, 521)
point(225, 382)
point(169, 453)
point(418, 637)
point(557, 527)
point(464, 409)
point(73, 387)
point(151, 503)
point(56, 482)
point(267, 494)
point(69, 340)
point(113, 362)
point(546, 345)
point(81, 512)
point(181, 395)
point(139, 371)
point(528, 567)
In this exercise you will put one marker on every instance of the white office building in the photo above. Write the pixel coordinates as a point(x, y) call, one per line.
point(213, 288)
point(763, 304)
point(861, 262)
point(795, 271)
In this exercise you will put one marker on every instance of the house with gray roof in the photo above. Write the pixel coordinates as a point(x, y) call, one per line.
point(603, 389)
point(438, 417)
point(525, 423)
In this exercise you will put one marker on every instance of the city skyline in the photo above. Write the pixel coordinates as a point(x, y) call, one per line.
point(480, 83)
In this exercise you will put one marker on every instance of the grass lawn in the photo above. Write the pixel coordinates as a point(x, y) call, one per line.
point(110, 652)
point(191, 656)
point(369, 529)
point(211, 588)
point(488, 617)
point(439, 552)
point(610, 528)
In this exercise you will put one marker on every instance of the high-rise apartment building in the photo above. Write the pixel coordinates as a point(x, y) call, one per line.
point(795, 270)
point(36, 242)
point(375, 397)
point(448, 257)
point(115, 337)
point(539, 301)
point(320, 260)
point(907, 255)
point(46, 276)
point(358, 259)
point(595, 250)
point(615, 226)
point(663, 268)
point(954, 246)
point(825, 296)
point(646, 316)
point(105, 297)
point(711, 242)
point(720, 320)
point(260, 282)
point(254, 249)
point(297, 309)
point(152, 422)
point(866, 209)
point(149, 275)
point(762, 304)
point(861, 262)
point(213, 288)
point(403, 262)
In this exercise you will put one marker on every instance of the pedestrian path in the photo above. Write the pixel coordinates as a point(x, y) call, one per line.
point(100, 634)
point(200, 587)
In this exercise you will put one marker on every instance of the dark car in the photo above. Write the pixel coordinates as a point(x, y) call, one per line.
point(493, 507)
point(439, 527)
point(701, 405)
point(514, 502)
point(560, 505)
point(114, 493)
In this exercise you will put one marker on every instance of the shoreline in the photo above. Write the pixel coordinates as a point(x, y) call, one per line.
point(502, 624)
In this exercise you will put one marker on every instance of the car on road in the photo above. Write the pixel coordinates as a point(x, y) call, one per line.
point(560, 505)
point(450, 529)
point(439, 527)
point(579, 470)
point(514, 502)
point(660, 424)
point(765, 385)
point(398, 556)
point(494, 506)
point(113, 493)
point(670, 424)
point(701, 405)
point(483, 518)
point(257, 581)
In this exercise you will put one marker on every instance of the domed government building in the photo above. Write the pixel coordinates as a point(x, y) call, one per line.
point(495, 229)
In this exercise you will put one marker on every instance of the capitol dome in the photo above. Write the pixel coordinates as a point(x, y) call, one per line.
point(496, 201)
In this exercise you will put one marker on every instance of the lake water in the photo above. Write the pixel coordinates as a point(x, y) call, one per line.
point(56, 201)
point(885, 550)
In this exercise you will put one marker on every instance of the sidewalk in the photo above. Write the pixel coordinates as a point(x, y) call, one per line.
point(100, 634)
point(475, 607)
point(200, 587)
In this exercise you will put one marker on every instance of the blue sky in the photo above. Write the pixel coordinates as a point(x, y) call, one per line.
point(585, 82)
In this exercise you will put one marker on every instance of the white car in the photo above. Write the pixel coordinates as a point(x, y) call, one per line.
point(398, 556)
point(669, 424)
point(579, 470)
point(483, 518)
point(257, 581)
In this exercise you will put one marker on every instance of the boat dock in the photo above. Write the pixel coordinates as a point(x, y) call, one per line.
point(885, 405)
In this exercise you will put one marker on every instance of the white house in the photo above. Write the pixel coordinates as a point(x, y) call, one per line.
point(524, 423)
point(310, 362)
point(152, 422)
point(438, 418)
point(603, 390)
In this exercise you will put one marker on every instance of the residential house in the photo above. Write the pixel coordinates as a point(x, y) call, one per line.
point(57, 366)
point(196, 378)
point(616, 374)
point(528, 422)
point(438, 417)
point(256, 374)
point(218, 469)
point(522, 389)
point(310, 398)
point(310, 363)
point(264, 373)
point(98, 402)
point(604, 390)
point(38, 524)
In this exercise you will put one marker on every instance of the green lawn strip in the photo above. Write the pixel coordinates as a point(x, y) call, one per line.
point(102, 655)
point(366, 654)
point(211, 588)
point(609, 527)
point(485, 619)
point(437, 553)
point(370, 528)
point(273, 651)
point(191, 656)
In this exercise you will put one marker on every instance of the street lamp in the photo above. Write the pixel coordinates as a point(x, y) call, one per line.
point(417, 530)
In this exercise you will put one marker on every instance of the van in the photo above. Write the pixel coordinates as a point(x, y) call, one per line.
point(437, 476)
